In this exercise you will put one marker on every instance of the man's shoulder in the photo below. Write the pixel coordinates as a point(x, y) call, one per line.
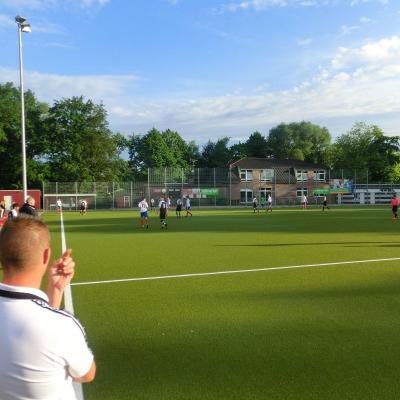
point(59, 318)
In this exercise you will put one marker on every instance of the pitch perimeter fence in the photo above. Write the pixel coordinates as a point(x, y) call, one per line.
point(213, 187)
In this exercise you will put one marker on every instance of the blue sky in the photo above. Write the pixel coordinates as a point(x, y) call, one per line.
point(210, 68)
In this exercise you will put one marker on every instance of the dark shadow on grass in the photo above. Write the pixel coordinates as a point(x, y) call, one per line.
point(280, 223)
point(385, 244)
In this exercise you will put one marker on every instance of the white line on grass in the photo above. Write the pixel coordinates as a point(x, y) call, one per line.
point(236, 271)
point(68, 303)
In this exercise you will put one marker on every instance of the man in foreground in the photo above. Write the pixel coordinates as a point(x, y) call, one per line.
point(42, 349)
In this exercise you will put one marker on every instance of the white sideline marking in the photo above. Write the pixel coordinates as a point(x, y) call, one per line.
point(68, 303)
point(236, 271)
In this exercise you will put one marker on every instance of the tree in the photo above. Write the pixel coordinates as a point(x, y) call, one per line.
point(80, 146)
point(256, 145)
point(299, 140)
point(185, 154)
point(366, 147)
point(149, 151)
point(216, 154)
point(10, 138)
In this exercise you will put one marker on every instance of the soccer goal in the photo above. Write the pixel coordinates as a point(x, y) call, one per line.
point(70, 201)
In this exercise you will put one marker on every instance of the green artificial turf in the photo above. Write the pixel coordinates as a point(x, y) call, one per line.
point(313, 333)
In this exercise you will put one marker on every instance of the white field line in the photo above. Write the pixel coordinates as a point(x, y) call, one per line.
point(236, 271)
point(68, 303)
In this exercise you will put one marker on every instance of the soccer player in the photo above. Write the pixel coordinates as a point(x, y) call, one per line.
point(325, 204)
point(395, 206)
point(163, 209)
point(178, 208)
point(144, 218)
point(84, 206)
point(59, 205)
point(255, 205)
point(304, 201)
point(152, 204)
point(269, 203)
point(188, 207)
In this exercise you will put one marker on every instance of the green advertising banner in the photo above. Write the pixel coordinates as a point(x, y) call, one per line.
point(209, 192)
point(321, 192)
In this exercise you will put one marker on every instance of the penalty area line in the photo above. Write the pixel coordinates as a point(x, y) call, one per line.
point(231, 272)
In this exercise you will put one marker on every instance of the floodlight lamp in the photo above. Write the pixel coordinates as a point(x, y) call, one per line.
point(26, 27)
point(20, 19)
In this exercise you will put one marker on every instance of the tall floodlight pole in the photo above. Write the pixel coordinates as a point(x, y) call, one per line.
point(23, 26)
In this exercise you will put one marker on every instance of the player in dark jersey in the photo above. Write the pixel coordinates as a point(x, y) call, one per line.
point(163, 209)
point(178, 208)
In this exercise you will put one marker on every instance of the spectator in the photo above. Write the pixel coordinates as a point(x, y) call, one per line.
point(2, 208)
point(29, 207)
point(13, 213)
point(42, 349)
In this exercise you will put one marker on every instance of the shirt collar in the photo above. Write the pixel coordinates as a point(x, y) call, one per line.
point(24, 289)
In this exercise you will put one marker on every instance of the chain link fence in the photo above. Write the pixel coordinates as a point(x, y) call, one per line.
point(214, 187)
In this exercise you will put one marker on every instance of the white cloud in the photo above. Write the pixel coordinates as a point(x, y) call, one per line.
point(348, 30)
point(259, 5)
point(360, 82)
point(52, 86)
point(365, 20)
point(356, 2)
point(173, 2)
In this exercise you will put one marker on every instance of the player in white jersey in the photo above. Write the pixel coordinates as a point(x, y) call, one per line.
point(255, 205)
point(59, 205)
point(144, 217)
point(269, 203)
point(304, 201)
point(188, 207)
point(83, 207)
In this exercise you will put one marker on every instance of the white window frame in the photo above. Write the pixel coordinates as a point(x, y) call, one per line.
point(265, 179)
point(246, 175)
point(320, 175)
point(248, 199)
point(301, 175)
point(300, 192)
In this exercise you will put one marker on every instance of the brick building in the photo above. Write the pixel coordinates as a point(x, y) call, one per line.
point(286, 180)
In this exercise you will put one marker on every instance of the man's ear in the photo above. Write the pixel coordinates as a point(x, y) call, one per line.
point(46, 256)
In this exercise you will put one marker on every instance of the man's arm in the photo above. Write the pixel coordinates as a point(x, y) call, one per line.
point(89, 377)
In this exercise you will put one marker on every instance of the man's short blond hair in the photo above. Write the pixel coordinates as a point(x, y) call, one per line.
point(22, 239)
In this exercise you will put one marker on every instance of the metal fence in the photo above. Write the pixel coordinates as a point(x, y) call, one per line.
point(213, 187)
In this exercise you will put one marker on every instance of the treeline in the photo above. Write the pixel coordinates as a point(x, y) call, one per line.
point(70, 140)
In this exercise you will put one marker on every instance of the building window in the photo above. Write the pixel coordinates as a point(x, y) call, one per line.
point(319, 176)
point(246, 174)
point(246, 195)
point(301, 175)
point(266, 175)
point(301, 192)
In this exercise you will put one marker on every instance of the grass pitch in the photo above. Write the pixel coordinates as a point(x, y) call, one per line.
point(314, 333)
